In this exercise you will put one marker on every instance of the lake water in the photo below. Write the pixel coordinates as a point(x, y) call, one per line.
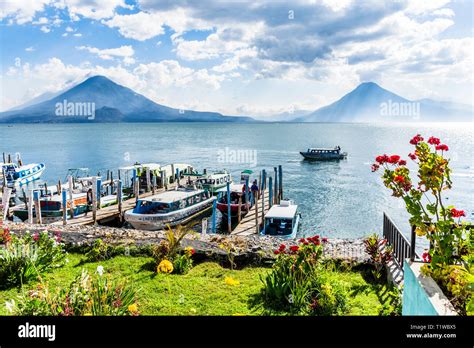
point(336, 199)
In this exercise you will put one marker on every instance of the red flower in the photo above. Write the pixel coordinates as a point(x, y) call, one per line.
point(302, 240)
point(282, 247)
point(381, 159)
point(402, 162)
point(442, 147)
point(400, 179)
point(294, 248)
point(317, 242)
point(412, 156)
point(36, 237)
point(375, 167)
point(433, 141)
point(426, 257)
point(393, 159)
point(316, 236)
point(325, 240)
point(457, 213)
point(276, 252)
point(416, 139)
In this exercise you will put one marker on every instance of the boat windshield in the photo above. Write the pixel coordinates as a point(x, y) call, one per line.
point(277, 226)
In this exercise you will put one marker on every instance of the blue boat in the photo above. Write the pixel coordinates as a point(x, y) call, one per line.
point(324, 154)
point(15, 174)
point(282, 220)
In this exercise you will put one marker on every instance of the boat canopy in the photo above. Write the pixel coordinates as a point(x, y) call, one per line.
point(172, 196)
point(281, 212)
point(239, 188)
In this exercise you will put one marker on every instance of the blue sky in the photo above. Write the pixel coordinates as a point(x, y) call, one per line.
point(254, 58)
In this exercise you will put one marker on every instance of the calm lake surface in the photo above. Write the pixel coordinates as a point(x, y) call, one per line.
point(337, 199)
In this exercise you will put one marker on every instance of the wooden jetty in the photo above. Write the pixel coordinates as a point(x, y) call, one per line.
point(248, 224)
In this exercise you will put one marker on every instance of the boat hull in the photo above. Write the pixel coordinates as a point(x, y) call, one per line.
point(234, 209)
point(155, 222)
point(322, 157)
point(294, 231)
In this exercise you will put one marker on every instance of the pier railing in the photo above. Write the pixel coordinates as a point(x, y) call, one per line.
point(402, 248)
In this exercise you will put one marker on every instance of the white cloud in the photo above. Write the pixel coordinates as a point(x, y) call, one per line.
point(95, 9)
point(45, 29)
point(77, 34)
point(29, 49)
point(125, 52)
point(22, 11)
point(69, 29)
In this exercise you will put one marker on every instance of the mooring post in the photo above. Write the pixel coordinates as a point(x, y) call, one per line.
point(166, 180)
point(148, 179)
point(257, 230)
point(247, 188)
point(214, 208)
point(259, 185)
point(173, 173)
point(229, 226)
point(119, 198)
point(136, 187)
point(162, 179)
point(280, 182)
point(264, 179)
point(64, 205)
point(95, 183)
point(239, 209)
point(6, 202)
point(270, 192)
point(263, 205)
point(36, 198)
point(71, 201)
point(99, 191)
point(177, 175)
point(30, 207)
point(275, 191)
point(153, 184)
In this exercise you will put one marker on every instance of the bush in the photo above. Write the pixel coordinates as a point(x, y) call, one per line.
point(86, 295)
point(25, 258)
point(99, 251)
point(378, 258)
point(299, 283)
point(170, 250)
point(5, 236)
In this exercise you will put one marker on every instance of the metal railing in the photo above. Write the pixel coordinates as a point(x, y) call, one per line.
point(402, 248)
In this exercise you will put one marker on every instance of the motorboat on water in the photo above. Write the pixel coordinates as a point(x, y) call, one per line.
point(282, 220)
point(324, 154)
point(171, 208)
point(212, 182)
point(18, 174)
point(237, 193)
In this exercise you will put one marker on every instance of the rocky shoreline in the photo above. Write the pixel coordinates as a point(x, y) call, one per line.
point(253, 248)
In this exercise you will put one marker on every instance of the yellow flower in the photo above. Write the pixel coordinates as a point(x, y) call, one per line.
point(133, 308)
point(231, 281)
point(419, 232)
point(165, 266)
point(189, 251)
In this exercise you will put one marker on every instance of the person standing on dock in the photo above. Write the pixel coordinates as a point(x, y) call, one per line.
point(254, 189)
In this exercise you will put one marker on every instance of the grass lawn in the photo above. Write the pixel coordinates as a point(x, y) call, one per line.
point(202, 291)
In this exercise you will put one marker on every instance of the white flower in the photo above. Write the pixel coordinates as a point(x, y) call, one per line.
point(10, 305)
point(100, 270)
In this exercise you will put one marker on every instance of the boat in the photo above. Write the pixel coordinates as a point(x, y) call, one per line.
point(324, 154)
point(212, 182)
point(52, 207)
point(236, 191)
point(282, 220)
point(17, 174)
point(171, 208)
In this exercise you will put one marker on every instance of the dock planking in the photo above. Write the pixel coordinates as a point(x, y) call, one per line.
point(247, 224)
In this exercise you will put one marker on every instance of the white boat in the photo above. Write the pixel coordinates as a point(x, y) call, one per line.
point(168, 208)
point(212, 182)
point(15, 174)
point(282, 220)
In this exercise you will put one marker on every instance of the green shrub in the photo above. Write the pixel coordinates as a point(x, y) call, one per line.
point(378, 258)
point(99, 251)
point(86, 295)
point(25, 258)
point(300, 284)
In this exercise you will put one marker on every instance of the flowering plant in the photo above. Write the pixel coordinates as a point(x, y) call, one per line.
point(449, 237)
point(5, 235)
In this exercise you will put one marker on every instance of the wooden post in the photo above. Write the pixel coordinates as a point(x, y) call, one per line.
point(94, 199)
point(148, 179)
point(263, 205)
point(99, 191)
point(153, 185)
point(71, 201)
point(172, 173)
point(36, 198)
point(270, 192)
point(64, 205)
point(412, 243)
point(257, 229)
point(162, 178)
point(275, 192)
point(30, 207)
point(204, 226)
point(280, 182)
point(264, 179)
point(166, 179)
point(239, 210)
point(119, 198)
point(247, 198)
point(6, 202)
point(259, 185)
point(214, 209)
point(136, 186)
point(229, 226)
point(177, 175)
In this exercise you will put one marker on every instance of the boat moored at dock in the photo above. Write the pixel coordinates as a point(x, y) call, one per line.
point(212, 182)
point(171, 208)
point(237, 191)
point(324, 154)
point(282, 220)
point(17, 174)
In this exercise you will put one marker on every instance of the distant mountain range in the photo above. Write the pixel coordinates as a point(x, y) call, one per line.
point(371, 103)
point(115, 103)
point(102, 100)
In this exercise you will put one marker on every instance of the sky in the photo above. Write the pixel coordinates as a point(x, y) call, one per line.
point(255, 58)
